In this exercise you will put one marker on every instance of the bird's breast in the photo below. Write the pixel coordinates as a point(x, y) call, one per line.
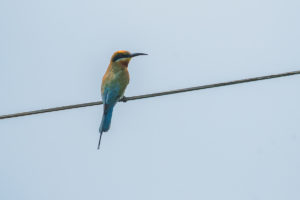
point(113, 78)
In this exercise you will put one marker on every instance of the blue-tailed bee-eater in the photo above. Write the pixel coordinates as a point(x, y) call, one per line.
point(114, 83)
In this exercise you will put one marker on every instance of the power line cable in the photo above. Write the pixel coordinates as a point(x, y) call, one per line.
point(125, 99)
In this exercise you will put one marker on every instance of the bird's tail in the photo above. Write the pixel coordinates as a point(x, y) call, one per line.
point(105, 123)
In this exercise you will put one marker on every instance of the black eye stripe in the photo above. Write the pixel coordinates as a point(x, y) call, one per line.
point(119, 56)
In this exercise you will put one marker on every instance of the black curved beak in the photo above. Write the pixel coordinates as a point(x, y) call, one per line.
point(137, 54)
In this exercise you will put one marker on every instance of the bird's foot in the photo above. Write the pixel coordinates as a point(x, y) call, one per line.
point(124, 99)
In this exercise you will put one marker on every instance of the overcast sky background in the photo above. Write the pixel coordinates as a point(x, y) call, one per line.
point(231, 143)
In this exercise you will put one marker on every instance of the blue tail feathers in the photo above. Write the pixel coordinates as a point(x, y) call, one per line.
point(106, 120)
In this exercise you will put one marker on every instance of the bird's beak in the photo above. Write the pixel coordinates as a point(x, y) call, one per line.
point(137, 54)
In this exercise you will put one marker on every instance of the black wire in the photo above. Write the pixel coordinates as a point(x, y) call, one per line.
point(153, 94)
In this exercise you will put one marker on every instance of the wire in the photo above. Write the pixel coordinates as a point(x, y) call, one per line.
point(125, 99)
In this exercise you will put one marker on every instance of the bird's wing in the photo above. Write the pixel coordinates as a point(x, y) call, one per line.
point(111, 95)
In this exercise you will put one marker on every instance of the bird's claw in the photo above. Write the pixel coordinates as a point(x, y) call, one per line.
point(124, 99)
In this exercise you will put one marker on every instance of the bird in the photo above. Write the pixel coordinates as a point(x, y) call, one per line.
point(114, 83)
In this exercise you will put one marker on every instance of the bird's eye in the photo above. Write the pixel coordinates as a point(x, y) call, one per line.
point(119, 56)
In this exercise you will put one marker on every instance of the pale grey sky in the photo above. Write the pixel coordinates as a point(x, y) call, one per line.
point(230, 143)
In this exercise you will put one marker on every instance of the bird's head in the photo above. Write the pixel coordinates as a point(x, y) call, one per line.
point(123, 57)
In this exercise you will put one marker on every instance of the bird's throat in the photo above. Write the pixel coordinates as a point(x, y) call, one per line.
point(124, 63)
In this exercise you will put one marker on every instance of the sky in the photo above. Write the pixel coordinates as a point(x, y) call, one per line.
point(235, 142)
